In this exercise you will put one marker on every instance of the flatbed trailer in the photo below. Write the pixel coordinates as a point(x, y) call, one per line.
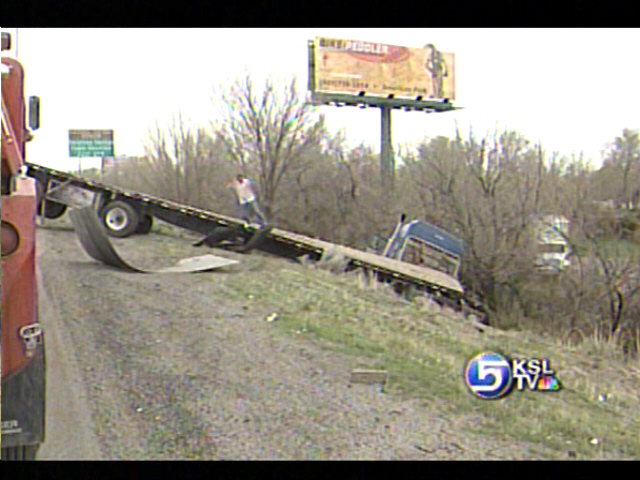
point(444, 288)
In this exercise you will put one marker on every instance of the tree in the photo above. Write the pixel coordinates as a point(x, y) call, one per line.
point(602, 291)
point(431, 177)
point(623, 156)
point(268, 134)
point(183, 163)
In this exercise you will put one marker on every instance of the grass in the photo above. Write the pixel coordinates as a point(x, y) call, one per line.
point(425, 351)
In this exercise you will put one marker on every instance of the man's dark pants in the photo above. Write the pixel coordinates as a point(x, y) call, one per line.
point(251, 210)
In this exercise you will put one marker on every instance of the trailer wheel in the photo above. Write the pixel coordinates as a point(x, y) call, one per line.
point(145, 224)
point(21, 452)
point(120, 219)
point(52, 210)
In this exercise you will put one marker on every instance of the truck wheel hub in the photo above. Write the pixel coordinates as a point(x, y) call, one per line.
point(116, 219)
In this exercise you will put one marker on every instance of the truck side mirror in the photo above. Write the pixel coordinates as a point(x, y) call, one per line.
point(34, 113)
point(6, 41)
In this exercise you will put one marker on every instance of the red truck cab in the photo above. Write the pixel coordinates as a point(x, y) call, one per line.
point(21, 335)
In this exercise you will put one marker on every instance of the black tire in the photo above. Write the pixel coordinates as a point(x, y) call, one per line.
point(145, 224)
point(257, 239)
point(217, 235)
point(120, 219)
point(21, 452)
point(52, 210)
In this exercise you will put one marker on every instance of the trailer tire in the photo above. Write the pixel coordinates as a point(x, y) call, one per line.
point(20, 452)
point(120, 219)
point(256, 239)
point(52, 210)
point(217, 236)
point(145, 224)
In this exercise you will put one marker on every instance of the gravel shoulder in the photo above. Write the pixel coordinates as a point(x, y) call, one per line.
point(183, 366)
point(67, 402)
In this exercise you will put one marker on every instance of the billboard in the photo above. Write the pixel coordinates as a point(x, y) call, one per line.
point(91, 143)
point(355, 67)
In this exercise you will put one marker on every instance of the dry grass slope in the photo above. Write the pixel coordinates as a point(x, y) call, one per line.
point(425, 350)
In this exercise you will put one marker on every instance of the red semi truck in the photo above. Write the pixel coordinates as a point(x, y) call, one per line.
point(21, 335)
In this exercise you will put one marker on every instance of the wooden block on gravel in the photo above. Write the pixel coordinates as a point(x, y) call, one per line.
point(369, 377)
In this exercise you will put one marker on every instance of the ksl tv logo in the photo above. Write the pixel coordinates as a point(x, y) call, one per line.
point(491, 375)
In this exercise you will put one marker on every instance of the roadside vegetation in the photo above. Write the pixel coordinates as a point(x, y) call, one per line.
point(487, 190)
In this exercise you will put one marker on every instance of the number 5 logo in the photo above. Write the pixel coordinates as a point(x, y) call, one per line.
point(488, 375)
point(489, 368)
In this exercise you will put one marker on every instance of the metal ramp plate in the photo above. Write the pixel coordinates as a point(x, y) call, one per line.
point(95, 241)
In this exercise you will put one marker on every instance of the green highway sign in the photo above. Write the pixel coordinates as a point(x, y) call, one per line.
point(91, 143)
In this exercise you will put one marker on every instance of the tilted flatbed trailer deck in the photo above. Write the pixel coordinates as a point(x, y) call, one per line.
point(277, 242)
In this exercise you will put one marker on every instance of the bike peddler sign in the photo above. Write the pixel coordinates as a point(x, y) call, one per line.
point(354, 67)
point(91, 143)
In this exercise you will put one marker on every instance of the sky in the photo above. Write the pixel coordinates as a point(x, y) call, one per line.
point(573, 90)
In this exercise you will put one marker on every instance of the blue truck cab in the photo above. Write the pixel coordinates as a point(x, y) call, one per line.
point(424, 244)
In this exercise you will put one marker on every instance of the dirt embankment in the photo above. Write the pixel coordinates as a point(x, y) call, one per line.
point(181, 366)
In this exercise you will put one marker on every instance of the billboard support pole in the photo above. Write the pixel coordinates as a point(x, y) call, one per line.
point(387, 163)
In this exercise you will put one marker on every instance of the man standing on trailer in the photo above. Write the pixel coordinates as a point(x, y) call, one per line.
point(247, 199)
